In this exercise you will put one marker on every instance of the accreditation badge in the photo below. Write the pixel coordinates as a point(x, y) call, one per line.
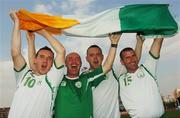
point(140, 74)
point(63, 83)
point(78, 84)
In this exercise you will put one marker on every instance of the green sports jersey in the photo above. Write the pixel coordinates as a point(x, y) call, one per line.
point(74, 97)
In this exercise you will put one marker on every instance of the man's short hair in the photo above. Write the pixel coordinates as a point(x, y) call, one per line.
point(123, 50)
point(94, 46)
point(45, 48)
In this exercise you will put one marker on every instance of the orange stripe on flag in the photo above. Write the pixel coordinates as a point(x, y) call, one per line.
point(35, 21)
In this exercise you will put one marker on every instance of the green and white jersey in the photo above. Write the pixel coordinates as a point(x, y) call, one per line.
point(35, 95)
point(140, 93)
point(105, 98)
point(74, 97)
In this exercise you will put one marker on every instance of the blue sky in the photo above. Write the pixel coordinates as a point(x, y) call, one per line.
point(169, 65)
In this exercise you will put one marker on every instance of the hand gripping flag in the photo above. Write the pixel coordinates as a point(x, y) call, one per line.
point(36, 21)
point(148, 19)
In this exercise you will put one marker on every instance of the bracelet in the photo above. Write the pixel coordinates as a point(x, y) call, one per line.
point(114, 45)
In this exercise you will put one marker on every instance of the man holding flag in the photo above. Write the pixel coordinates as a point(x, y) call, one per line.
point(139, 90)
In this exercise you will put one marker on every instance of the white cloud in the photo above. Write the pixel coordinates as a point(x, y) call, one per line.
point(78, 8)
point(82, 7)
point(42, 8)
point(81, 3)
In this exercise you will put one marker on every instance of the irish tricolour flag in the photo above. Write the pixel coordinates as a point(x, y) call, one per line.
point(149, 19)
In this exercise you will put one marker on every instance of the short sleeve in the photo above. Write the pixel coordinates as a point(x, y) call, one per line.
point(19, 75)
point(151, 64)
point(94, 73)
point(119, 70)
point(55, 75)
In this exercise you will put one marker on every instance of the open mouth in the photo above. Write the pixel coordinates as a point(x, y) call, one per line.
point(95, 62)
point(74, 66)
point(44, 66)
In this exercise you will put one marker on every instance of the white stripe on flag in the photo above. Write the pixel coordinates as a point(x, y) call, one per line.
point(99, 25)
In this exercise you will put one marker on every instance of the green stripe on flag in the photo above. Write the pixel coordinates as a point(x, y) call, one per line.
point(150, 19)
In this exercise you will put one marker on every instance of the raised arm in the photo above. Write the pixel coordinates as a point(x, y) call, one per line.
point(18, 59)
point(156, 47)
point(112, 52)
point(151, 61)
point(31, 49)
point(57, 46)
point(139, 44)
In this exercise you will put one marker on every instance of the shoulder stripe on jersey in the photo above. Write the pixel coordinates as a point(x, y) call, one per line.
point(93, 78)
point(121, 75)
point(49, 84)
point(52, 95)
point(117, 79)
point(114, 74)
point(25, 75)
point(149, 72)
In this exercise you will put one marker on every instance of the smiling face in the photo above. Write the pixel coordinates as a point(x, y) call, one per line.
point(73, 64)
point(129, 60)
point(43, 62)
point(94, 57)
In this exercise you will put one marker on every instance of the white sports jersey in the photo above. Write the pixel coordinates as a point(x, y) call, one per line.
point(105, 98)
point(34, 97)
point(140, 93)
